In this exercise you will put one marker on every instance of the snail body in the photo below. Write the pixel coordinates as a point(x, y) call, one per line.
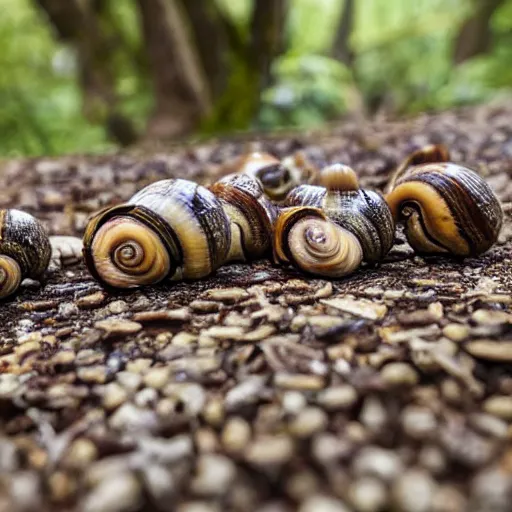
point(357, 222)
point(446, 209)
point(25, 249)
point(175, 229)
point(277, 177)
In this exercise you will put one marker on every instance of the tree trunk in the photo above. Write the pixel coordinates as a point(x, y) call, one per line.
point(475, 36)
point(341, 49)
point(182, 96)
point(75, 23)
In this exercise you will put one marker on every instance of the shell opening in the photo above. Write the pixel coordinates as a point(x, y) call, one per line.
point(323, 248)
point(128, 254)
point(10, 276)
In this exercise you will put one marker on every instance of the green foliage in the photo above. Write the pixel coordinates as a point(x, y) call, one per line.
point(403, 63)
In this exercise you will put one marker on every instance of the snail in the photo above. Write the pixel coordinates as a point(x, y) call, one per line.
point(175, 229)
point(447, 209)
point(24, 250)
point(329, 230)
point(277, 177)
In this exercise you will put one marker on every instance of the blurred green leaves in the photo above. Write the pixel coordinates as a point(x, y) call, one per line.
point(403, 63)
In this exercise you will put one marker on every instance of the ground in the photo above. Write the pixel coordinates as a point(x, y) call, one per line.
point(261, 388)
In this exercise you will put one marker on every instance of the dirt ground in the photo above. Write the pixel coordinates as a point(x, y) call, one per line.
point(261, 389)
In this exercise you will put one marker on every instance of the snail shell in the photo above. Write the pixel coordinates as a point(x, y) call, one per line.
point(362, 212)
point(276, 177)
point(24, 249)
point(305, 238)
point(177, 229)
point(447, 209)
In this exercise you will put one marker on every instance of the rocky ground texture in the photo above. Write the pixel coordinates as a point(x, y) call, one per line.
point(260, 389)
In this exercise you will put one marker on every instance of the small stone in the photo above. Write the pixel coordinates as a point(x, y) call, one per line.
point(184, 339)
point(489, 425)
point(139, 365)
point(320, 503)
point(362, 308)
point(338, 397)
point(92, 374)
point(373, 414)
point(491, 317)
point(325, 291)
point(67, 309)
point(159, 482)
point(27, 348)
point(129, 381)
point(91, 301)
point(118, 493)
point(214, 475)
point(414, 491)
point(205, 306)
point(500, 406)
point(166, 315)
point(228, 295)
point(490, 350)
point(450, 499)
point(294, 402)
point(118, 327)
point(224, 332)
point(418, 422)
point(130, 417)
point(270, 451)
point(61, 486)
point(191, 395)
point(367, 494)
point(456, 332)
point(392, 336)
point(399, 374)
point(114, 396)
point(167, 451)
point(157, 377)
point(117, 307)
point(80, 453)
point(307, 422)
point(301, 382)
point(246, 392)
point(236, 435)
point(377, 462)
point(260, 333)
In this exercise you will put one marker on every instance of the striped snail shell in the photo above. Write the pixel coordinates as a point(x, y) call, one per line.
point(176, 229)
point(362, 212)
point(277, 177)
point(305, 238)
point(446, 208)
point(24, 250)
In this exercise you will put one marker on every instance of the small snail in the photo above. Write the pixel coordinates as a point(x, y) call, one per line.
point(24, 250)
point(329, 230)
point(177, 229)
point(446, 208)
point(277, 177)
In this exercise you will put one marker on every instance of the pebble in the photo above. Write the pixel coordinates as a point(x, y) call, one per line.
point(299, 381)
point(117, 307)
point(67, 309)
point(490, 350)
point(269, 450)
point(91, 301)
point(160, 483)
point(489, 425)
point(399, 374)
point(337, 398)
point(414, 491)
point(157, 377)
point(293, 402)
point(214, 475)
point(456, 332)
point(165, 315)
point(114, 395)
point(418, 422)
point(224, 332)
point(320, 503)
point(120, 492)
point(92, 374)
point(367, 494)
point(118, 327)
point(247, 392)
point(80, 453)
point(184, 339)
point(204, 306)
point(491, 317)
point(307, 422)
point(500, 406)
point(191, 395)
point(377, 462)
point(129, 417)
point(24, 488)
point(228, 295)
point(236, 435)
point(373, 414)
point(167, 451)
point(130, 381)
point(361, 308)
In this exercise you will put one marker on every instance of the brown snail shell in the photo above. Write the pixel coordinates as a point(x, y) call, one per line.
point(175, 229)
point(24, 249)
point(362, 212)
point(305, 238)
point(276, 177)
point(447, 209)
